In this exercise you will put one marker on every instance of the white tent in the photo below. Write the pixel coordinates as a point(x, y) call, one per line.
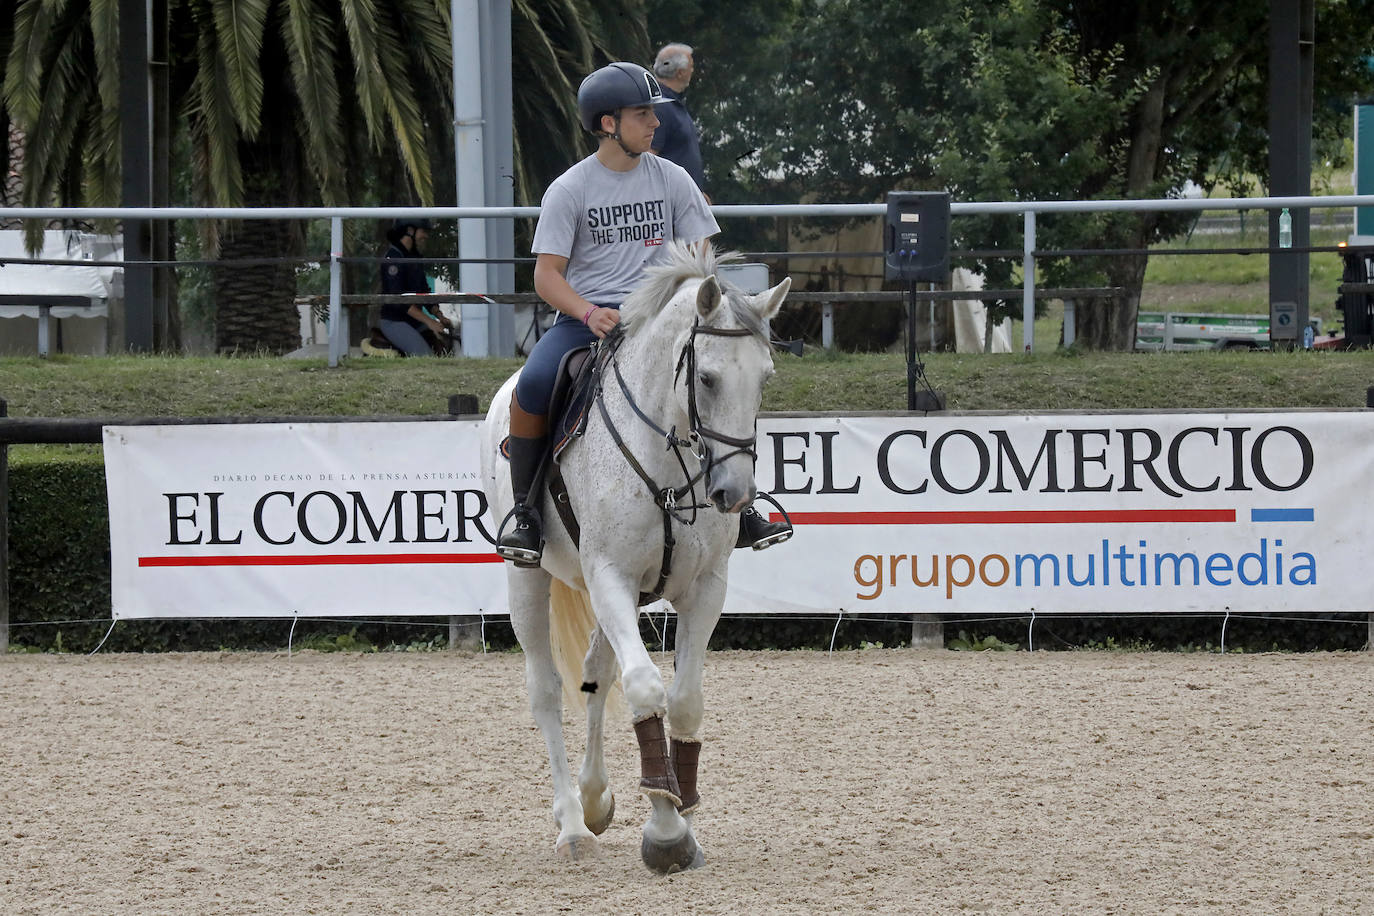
point(54, 307)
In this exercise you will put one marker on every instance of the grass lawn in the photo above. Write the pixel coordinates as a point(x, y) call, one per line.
point(132, 386)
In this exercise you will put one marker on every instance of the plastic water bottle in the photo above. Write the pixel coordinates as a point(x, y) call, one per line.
point(1307, 337)
point(1285, 229)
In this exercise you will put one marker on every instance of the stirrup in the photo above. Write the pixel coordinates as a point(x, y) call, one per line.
point(783, 530)
point(522, 555)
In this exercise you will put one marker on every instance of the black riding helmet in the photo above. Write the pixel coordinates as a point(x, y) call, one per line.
point(613, 87)
point(402, 226)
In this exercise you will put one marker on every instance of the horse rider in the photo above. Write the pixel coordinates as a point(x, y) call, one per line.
point(601, 222)
point(404, 324)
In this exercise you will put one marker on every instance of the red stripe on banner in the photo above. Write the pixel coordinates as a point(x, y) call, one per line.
point(360, 559)
point(1011, 517)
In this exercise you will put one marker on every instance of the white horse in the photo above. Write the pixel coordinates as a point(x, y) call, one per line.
point(674, 424)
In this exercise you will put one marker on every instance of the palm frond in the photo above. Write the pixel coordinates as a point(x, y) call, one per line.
point(239, 26)
point(104, 21)
point(308, 34)
point(214, 133)
point(360, 17)
point(35, 30)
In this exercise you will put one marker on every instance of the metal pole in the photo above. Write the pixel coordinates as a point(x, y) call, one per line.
point(4, 539)
point(1291, 32)
point(338, 333)
point(468, 142)
point(464, 630)
point(135, 120)
point(1028, 282)
point(911, 345)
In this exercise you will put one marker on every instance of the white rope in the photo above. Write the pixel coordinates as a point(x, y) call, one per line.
point(102, 641)
point(483, 631)
point(1225, 620)
point(1030, 633)
point(835, 631)
point(291, 635)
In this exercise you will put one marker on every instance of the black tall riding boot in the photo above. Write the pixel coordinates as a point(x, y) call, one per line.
point(523, 542)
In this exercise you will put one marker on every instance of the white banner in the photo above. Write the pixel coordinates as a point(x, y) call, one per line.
point(1142, 513)
point(310, 519)
point(1055, 514)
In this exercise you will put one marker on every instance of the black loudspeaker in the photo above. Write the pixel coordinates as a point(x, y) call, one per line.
point(916, 236)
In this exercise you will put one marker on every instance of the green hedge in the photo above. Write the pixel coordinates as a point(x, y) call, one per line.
point(60, 599)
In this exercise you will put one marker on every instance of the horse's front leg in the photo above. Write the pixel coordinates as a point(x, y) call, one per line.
point(668, 844)
point(598, 674)
point(529, 612)
point(696, 621)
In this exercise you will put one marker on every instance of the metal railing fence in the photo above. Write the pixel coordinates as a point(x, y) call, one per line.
point(1029, 210)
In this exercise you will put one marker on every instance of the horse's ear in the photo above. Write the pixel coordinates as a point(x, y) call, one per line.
point(708, 298)
point(769, 301)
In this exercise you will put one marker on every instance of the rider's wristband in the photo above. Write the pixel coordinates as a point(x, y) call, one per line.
point(589, 313)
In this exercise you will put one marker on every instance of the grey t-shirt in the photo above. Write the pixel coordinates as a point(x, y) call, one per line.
point(610, 225)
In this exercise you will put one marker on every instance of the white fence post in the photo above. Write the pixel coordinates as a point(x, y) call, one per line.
point(1028, 282)
point(338, 325)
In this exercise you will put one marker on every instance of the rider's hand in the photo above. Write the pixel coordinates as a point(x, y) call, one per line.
point(603, 320)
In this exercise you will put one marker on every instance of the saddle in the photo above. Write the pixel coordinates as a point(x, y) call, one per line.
point(575, 388)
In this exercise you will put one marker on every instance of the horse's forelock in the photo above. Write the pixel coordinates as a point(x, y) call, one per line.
point(687, 262)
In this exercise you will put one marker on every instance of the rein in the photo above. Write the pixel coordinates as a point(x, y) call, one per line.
point(669, 499)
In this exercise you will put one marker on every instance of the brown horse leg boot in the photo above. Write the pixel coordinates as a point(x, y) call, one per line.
point(684, 753)
point(656, 776)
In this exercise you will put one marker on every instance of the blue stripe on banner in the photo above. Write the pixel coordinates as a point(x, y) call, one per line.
point(1282, 515)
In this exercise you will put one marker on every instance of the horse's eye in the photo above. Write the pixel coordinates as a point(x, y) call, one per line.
point(707, 380)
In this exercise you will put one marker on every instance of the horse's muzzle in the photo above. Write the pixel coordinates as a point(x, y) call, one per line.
point(729, 499)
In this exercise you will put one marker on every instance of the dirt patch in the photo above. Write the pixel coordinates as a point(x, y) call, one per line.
point(866, 781)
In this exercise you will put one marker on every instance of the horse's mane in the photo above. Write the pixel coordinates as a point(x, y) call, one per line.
point(686, 262)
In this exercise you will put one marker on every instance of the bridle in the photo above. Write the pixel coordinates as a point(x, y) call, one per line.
point(674, 502)
point(699, 436)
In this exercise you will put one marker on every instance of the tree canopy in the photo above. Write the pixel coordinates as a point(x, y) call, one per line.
point(1027, 100)
point(292, 102)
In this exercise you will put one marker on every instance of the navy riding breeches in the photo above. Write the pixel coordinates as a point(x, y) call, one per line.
point(536, 380)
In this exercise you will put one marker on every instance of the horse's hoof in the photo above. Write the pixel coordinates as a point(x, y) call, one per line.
point(578, 849)
point(598, 825)
point(667, 858)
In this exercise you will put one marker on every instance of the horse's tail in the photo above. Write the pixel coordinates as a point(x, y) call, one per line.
point(571, 624)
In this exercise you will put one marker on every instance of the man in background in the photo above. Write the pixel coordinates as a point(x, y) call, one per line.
point(677, 139)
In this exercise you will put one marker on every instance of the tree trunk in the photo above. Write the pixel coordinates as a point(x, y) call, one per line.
point(1109, 323)
point(255, 309)
point(255, 305)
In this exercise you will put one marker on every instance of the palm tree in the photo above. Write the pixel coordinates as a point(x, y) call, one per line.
point(291, 102)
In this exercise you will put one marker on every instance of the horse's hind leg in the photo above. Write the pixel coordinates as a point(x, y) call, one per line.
point(598, 674)
point(529, 603)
